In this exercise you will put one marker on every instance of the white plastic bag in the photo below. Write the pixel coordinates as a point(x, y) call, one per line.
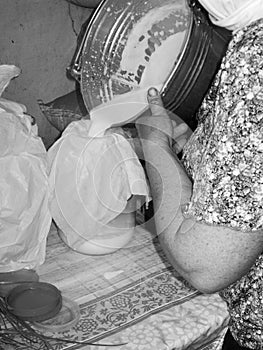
point(24, 216)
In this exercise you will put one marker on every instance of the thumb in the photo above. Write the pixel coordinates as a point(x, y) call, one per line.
point(155, 102)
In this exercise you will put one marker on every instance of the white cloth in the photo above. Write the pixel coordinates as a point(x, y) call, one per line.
point(92, 179)
point(233, 14)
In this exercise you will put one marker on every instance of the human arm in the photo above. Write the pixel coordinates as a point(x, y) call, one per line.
point(210, 257)
point(180, 134)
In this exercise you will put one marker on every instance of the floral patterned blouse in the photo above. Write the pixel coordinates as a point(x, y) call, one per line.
point(224, 157)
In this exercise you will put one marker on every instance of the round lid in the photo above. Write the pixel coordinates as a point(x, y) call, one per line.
point(9, 280)
point(67, 318)
point(34, 301)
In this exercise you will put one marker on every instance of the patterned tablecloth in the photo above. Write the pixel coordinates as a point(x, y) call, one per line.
point(132, 297)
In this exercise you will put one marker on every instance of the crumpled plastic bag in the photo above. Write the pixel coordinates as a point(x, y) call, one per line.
point(91, 181)
point(24, 216)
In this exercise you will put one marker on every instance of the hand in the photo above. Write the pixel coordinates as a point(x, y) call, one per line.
point(155, 125)
point(181, 134)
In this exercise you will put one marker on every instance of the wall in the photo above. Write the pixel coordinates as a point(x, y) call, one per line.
point(40, 37)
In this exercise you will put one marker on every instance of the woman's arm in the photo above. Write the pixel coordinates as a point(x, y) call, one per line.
point(209, 257)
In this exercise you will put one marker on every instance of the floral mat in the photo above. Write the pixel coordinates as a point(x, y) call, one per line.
point(126, 295)
point(103, 317)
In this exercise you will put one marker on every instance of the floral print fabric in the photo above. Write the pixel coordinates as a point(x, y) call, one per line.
point(224, 157)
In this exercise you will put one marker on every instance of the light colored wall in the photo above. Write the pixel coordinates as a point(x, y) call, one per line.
point(40, 37)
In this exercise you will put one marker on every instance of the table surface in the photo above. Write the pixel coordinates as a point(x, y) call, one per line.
point(132, 297)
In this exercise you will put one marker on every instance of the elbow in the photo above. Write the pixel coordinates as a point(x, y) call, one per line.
point(204, 287)
point(206, 283)
point(201, 279)
point(206, 278)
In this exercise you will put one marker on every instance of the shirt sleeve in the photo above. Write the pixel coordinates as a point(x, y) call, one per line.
point(228, 180)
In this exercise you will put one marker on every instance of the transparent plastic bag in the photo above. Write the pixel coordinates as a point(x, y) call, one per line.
point(24, 216)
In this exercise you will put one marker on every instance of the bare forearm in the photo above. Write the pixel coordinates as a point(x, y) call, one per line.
point(171, 189)
point(209, 257)
point(170, 186)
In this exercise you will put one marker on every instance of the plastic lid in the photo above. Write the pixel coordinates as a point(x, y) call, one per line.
point(11, 279)
point(67, 318)
point(35, 301)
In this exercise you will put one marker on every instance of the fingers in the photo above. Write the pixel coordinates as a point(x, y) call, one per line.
point(156, 122)
point(179, 144)
point(155, 103)
point(179, 130)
